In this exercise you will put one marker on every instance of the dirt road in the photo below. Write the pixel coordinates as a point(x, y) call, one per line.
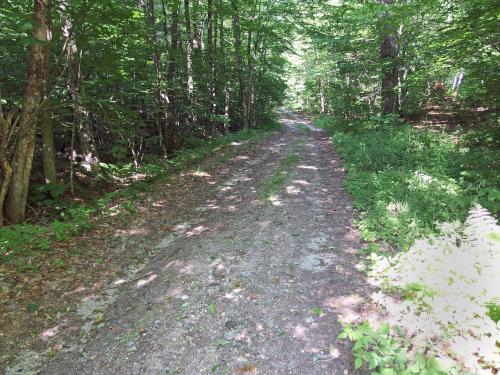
point(254, 275)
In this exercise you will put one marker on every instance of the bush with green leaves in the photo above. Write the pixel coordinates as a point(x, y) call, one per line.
point(406, 181)
point(387, 352)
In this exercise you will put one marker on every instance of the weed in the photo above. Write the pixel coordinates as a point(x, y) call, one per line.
point(385, 351)
point(277, 181)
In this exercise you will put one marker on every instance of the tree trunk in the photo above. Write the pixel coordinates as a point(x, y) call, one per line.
point(239, 64)
point(172, 67)
point(7, 124)
point(388, 56)
point(161, 96)
point(90, 157)
point(189, 52)
point(15, 204)
point(211, 66)
point(48, 150)
point(223, 75)
point(322, 101)
point(251, 81)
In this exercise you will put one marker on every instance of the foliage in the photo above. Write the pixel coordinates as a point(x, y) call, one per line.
point(386, 352)
point(405, 181)
point(20, 243)
point(444, 49)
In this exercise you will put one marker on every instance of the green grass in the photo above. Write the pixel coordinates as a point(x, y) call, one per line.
point(303, 129)
point(277, 181)
point(20, 243)
point(405, 181)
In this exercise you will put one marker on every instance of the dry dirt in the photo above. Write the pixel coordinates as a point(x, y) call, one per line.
point(230, 280)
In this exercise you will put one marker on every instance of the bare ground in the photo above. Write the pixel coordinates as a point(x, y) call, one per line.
point(232, 281)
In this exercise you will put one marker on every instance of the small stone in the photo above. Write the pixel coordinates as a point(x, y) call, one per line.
point(229, 335)
point(230, 324)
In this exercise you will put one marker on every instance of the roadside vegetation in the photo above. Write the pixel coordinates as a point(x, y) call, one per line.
point(408, 92)
point(64, 218)
point(438, 278)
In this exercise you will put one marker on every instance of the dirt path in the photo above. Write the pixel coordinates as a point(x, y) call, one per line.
point(239, 284)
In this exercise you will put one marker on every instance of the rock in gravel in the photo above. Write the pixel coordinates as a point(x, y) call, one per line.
point(230, 324)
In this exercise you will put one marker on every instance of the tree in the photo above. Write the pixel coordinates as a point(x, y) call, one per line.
point(388, 56)
point(242, 104)
point(15, 204)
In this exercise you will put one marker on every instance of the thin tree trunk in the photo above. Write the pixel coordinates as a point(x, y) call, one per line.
point(161, 96)
point(189, 51)
point(48, 150)
point(88, 148)
point(251, 84)
point(172, 67)
point(239, 63)
point(322, 101)
point(15, 204)
point(7, 124)
point(211, 66)
point(388, 56)
point(223, 75)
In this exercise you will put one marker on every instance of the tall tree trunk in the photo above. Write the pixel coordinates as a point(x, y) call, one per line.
point(239, 64)
point(211, 66)
point(48, 149)
point(161, 96)
point(90, 157)
point(322, 101)
point(223, 75)
point(251, 80)
point(47, 126)
point(172, 68)
point(7, 124)
point(388, 56)
point(15, 204)
point(189, 51)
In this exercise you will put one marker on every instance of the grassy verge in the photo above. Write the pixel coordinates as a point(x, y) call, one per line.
point(414, 190)
point(277, 181)
point(19, 244)
point(406, 181)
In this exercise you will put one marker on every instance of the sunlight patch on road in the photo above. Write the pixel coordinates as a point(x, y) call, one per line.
point(308, 167)
point(146, 280)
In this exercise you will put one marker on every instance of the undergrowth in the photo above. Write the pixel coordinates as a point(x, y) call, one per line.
point(406, 184)
point(406, 181)
point(19, 243)
point(386, 351)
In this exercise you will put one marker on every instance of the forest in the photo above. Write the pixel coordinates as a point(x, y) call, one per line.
point(105, 103)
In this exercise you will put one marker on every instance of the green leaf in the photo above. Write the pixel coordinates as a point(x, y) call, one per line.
point(358, 363)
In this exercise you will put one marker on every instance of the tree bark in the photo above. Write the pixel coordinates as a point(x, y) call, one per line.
point(388, 56)
point(161, 96)
point(189, 51)
point(239, 63)
point(7, 124)
point(47, 126)
point(172, 67)
point(223, 75)
point(211, 66)
point(251, 81)
point(15, 204)
point(90, 157)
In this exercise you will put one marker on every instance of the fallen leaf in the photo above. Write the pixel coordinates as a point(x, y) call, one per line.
point(247, 369)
